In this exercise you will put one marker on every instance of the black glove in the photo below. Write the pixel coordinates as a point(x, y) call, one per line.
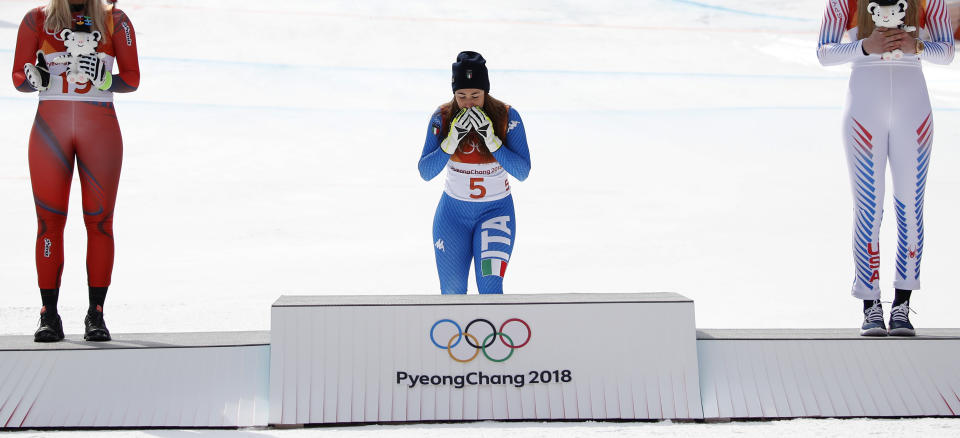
point(38, 75)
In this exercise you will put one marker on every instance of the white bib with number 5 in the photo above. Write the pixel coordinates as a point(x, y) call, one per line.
point(476, 182)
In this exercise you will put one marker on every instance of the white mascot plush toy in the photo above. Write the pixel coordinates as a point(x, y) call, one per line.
point(889, 14)
point(78, 43)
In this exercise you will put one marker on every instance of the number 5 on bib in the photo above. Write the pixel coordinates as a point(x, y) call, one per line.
point(477, 184)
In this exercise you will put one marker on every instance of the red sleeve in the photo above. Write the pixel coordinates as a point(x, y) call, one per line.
point(28, 40)
point(125, 46)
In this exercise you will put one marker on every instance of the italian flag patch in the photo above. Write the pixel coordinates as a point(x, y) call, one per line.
point(493, 267)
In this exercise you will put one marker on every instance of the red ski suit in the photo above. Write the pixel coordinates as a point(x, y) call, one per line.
point(75, 122)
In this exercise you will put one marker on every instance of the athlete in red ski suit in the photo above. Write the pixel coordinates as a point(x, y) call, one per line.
point(75, 122)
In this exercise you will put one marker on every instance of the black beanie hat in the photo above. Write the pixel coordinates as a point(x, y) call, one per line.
point(470, 71)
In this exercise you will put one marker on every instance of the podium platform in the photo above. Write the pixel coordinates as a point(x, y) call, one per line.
point(426, 358)
point(136, 380)
point(751, 374)
point(482, 357)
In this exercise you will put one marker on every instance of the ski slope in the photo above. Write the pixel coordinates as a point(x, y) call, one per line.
point(683, 146)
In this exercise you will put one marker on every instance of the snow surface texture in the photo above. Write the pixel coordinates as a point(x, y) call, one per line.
point(676, 146)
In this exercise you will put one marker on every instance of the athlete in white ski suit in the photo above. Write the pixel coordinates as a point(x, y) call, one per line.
point(887, 119)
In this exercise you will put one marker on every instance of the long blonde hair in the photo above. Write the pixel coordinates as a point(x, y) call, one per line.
point(58, 16)
point(865, 23)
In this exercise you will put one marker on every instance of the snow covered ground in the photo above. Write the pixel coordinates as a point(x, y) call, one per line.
point(677, 145)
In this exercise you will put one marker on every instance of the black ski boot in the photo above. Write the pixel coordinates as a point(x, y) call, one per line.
point(96, 329)
point(51, 328)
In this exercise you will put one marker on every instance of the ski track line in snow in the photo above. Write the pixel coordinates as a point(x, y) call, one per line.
point(740, 11)
point(503, 70)
point(515, 22)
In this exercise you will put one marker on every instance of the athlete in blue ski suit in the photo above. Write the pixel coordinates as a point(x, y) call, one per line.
point(475, 218)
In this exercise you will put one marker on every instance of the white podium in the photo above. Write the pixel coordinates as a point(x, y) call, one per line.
point(429, 358)
point(136, 380)
point(790, 373)
point(366, 359)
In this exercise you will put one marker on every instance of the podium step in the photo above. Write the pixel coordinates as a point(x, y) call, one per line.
point(828, 373)
point(137, 380)
point(366, 359)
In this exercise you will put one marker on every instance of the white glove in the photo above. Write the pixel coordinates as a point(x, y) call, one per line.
point(95, 70)
point(460, 126)
point(484, 126)
point(38, 75)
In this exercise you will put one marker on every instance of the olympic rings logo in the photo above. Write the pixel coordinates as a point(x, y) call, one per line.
point(473, 148)
point(471, 340)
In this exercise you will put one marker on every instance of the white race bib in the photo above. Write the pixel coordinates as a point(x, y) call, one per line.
point(61, 89)
point(476, 182)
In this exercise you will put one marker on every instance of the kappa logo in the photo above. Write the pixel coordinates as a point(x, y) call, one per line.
point(912, 251)
point(47, 244)
point(439, 245)
point(489, 339)
point(513, 124)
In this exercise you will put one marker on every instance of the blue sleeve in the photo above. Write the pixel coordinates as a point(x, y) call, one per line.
point(514, 155)
point(433, 159)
